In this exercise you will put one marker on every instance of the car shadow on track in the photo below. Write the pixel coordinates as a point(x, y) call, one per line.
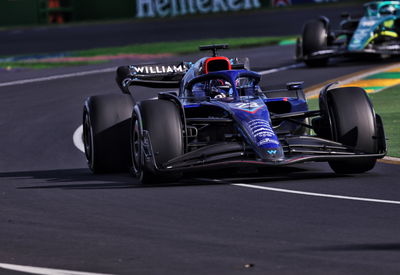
point(84, 179)
point(67, 178)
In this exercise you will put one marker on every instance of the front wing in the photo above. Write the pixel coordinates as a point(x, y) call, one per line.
point(389, 50)
point(297, 149)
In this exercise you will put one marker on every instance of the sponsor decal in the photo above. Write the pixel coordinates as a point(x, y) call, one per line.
point(158, 69)
point(368, 23)
point(261, 128)
point(262, 132)
point(272, 152)
point(250, 107)
point(162, 8)
point(360, 38)
point(267, 141)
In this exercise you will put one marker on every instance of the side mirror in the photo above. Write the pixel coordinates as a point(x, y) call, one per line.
point(294, 85)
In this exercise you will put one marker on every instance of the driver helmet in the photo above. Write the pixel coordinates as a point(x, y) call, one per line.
point(387, 10)
point(220, 88)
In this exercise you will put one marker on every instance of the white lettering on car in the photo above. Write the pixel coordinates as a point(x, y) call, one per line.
point(158, 69)
point(262, 131)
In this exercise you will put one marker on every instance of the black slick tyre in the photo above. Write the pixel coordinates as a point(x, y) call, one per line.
point(354, 124)
point(160, 120)
point(106, 127)
point(314, 39)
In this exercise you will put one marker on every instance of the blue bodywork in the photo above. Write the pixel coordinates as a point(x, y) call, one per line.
point(221, 118)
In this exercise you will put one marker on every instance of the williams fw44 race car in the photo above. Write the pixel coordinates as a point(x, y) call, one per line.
point(220, 118)
point(376, 33)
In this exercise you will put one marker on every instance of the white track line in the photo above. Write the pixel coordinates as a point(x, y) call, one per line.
point(55, 77)
point(284, 68)
point(392, 159)
point(44, 271)
point(77, 138)
point(316, 194)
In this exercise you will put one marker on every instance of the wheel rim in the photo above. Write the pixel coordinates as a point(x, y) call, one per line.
point(136, 147)
point(88, 139)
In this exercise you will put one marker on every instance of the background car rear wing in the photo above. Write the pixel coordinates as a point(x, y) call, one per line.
point(152, 76)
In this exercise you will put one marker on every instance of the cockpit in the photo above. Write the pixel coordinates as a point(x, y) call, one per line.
point(213, 88)
point(378, 9)
point(224, 86)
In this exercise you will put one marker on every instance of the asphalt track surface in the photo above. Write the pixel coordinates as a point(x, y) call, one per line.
point(54, 213)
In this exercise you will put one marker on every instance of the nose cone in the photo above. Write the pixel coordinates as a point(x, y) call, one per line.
point(269, 147)
point(255, 119)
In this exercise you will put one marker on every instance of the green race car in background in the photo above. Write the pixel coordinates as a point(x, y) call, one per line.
point(377, 32)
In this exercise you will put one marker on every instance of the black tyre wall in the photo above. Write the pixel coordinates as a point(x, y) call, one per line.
point(314, 38)
point(163, 121)
point(354, 119)
point(110, 123)
point(353, 124)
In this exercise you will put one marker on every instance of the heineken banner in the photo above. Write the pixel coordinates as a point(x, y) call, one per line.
point(162, 8)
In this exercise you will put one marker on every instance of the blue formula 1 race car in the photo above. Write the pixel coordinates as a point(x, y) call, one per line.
point(376, 33)
point(220, 118)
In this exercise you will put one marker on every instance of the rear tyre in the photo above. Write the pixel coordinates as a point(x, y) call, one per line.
point(106, 127)
point(353, 124)
point(162, 120)
point(314, 39)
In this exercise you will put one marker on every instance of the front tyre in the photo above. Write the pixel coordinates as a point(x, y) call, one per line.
point(354, 124)
point(156, 125)
point(314, 39)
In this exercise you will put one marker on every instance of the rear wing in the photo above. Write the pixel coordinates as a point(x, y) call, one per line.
point(152, 76)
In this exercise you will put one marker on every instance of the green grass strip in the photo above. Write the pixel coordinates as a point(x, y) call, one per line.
point(390, 75)
point(387, 105)
point(184, 47)
point(374, 88)
point(288, 42)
